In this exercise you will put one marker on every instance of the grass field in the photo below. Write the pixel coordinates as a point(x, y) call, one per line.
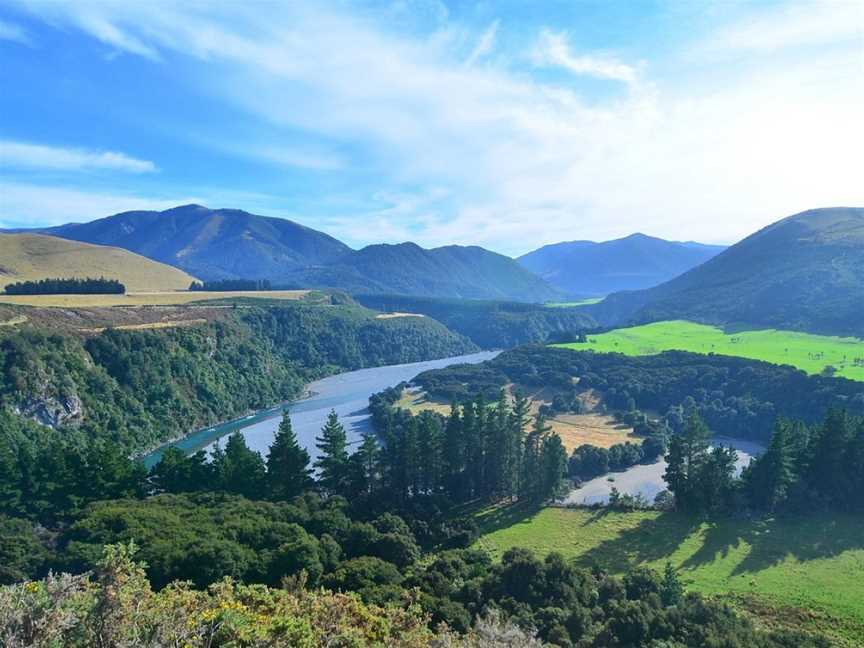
point(598, 430)
point(27, 257)
point(805, 572)
point(812, 353)
point(143, 298)
point(581, 302)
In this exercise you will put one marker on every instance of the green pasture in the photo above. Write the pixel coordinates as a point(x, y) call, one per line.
point(800, 572)
point(812, 353)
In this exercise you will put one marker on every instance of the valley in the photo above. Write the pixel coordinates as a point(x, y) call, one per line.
point(431, 324)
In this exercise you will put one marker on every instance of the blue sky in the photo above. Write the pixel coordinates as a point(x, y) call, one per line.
point(506, 124)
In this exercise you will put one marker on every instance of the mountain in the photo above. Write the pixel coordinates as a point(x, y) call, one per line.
point(589, 269)
point(212, 243)
point(26, 257)
point(453, 271)
point(805, 272)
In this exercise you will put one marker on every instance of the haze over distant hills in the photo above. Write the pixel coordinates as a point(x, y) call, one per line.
point(28, 257)
point(589, 269)
point(805, 272)
point(230, 243)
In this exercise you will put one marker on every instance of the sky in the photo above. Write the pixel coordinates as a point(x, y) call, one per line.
point(508, 124)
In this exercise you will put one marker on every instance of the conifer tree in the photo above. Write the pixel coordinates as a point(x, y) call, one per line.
point(332, 463)
point(288, 472)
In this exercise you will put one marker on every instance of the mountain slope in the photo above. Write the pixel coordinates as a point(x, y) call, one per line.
point(453, 271)
point(588, 269)
point(26, 257)
point(212, 243)
point(805, 272)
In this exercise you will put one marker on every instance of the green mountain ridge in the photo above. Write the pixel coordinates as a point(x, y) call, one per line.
point(230, 244)
point(803, 273)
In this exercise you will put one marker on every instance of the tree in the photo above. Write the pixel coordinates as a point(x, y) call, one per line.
point(364, 465)
point(671, 589)
point(332, 463)
point(554, 467)
point(288, 472)
point(239, 469)
point(769, 477)
point(687, 452)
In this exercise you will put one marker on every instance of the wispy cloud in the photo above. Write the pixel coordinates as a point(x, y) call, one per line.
point(553, 49)
point(796, 25)
point(32, 205)
point(15, 33)
point(485, 44)
point(517, 159)
point(36, 156)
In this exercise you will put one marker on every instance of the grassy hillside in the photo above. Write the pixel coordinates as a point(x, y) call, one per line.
point(585, 268)
point(812, 353)
point(27, 257)
point(803, 273)
point(805, 572)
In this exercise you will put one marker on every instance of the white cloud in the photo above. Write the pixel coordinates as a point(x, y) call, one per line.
point(517, 162)
point(553, 49)
point(15, 33)
point(827, 22)
point(36, 156)
point(31, 205)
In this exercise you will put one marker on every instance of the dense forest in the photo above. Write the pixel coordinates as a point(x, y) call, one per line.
point(491, 324)
point(87, 286)
point(244, 524)
point(735, 397)
point(139, 388)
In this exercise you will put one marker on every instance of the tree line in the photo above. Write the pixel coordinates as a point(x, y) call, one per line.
point(482, 450)
point(736, 397)
point(218, 285)
point(54, 286)
point(804, 468)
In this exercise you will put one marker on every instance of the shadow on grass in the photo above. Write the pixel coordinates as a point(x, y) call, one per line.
point(772, 541)
point(504, 516)
point(651, 540)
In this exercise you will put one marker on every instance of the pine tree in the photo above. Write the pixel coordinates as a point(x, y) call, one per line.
point(553, 466)
point(332, 463)
point(671, 588)
point(364, 465)
point(288, 472)
point(687, 451)
point(519, 418)
point(240, 470)
point(454, 454)
point(769, 477)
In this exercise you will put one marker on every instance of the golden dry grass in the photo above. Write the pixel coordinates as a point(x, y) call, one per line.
point(417, 401)
point(28, 257)
point(593, 429)
point(177, 298)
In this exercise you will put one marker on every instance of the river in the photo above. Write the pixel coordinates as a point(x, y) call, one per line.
point(647, 479)
point(347, 393)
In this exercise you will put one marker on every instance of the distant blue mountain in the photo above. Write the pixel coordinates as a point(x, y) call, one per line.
point(589, 269)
